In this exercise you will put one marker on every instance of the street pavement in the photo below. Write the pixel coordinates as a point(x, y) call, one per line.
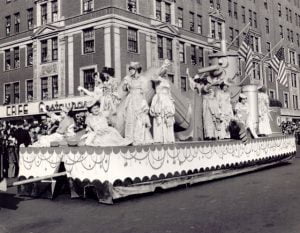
point(266, 201)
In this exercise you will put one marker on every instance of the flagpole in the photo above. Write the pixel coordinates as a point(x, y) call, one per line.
point(262, 63)
point(235, 38)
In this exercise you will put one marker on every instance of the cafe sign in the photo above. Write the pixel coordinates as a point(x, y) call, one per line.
point(34, 108)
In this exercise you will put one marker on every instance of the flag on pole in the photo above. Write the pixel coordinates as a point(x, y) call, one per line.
point(278, 64)
point(245, 51)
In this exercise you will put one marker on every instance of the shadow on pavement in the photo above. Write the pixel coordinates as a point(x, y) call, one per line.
point(9, 201)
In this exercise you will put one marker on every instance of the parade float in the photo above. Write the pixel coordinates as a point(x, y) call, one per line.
point(113, 172)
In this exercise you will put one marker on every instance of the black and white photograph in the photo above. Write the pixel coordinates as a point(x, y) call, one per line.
point(150, 116)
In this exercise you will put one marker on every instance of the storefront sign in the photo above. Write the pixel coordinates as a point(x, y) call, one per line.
point(34, 108)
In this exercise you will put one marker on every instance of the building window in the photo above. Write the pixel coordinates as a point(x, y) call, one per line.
point(270, 73)
point(16, 87)
point(243, 14)
point(235, 13)
point(256, 70)
point(292, 56)
point(169, 49)
point(89, 40)
point(88, 5)
point(295, 102)
point(17, 22)
point(88, 80)
point(231, 34)
point(54, 87)
point(181, 52)
point(54, 8)
point(294, 79)
point(16, 58)
point(287, 14)
point(29, 90)
point(8, 25)
point(229, 8)
point(266, 4)
point(192, 22)
point(29, 50)
point(7, 94)
point(292, 36)
point(158, 10)
point(193, 55)
point(250, 17)
point(281, 31)
point(132, 40)
point(183, 84)
point(199, 24)
point(285, 100)
point(54, 49)
point(267, 26)
point(131, 6)
point(44, 88)
point(180, 17)
point(218, 4)
point(255, 19)
point(219, 24)
point(211, 3)
point(290, 14)
point(298, 39)
point(171, 78)
point(213, 29)
point(160, 47)
point(168, 12)
point(7, 59)
point(272, 94)
point(30, 18)
point(279, 10)
point(201, 57)
point(237, 41)
point(44, 51)
point(44, 14)
point(268, 47)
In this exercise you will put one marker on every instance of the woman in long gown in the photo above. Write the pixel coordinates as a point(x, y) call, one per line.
point(163, 110)
point(65, 128)
point(211, 115)
point(242, 114)
point(99, 133)
point(137, 121)
point(224, 101)
point(264, 127)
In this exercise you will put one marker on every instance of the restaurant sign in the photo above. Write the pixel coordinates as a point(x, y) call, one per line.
point(34, 108)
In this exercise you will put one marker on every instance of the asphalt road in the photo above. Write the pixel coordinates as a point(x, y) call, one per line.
point(263, 201)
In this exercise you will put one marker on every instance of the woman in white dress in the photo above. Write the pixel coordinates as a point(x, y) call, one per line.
point(98, 131)
point(264, 127)
point(224, 101)
point(136, 114)
point(243, 114)
point(163, 109)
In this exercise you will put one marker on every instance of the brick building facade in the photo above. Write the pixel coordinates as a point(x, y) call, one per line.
point(50, 47)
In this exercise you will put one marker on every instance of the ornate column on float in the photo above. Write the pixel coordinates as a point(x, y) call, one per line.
point(117, 51)
point(252, 95)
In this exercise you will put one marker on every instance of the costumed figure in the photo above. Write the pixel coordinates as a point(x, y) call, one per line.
point(109, 98)
point(264, 127)
point(99, 133)
point(224, 101)
point(211, 115)
point(97, 92)
point(163, 109)
point(137, 121)
point(243, 116)
point(65, 128)
point(197, 82)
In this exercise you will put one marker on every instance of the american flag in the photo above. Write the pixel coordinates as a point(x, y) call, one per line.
point(278, 64)
point(245, 51)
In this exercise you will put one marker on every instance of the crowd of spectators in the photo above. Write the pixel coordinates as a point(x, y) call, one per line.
point(24, 133)
point(291, 128)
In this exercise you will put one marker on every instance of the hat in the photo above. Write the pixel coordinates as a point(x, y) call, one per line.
point(134, 65)
point(243, 96)
point(91, 102)
point(66, 109)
